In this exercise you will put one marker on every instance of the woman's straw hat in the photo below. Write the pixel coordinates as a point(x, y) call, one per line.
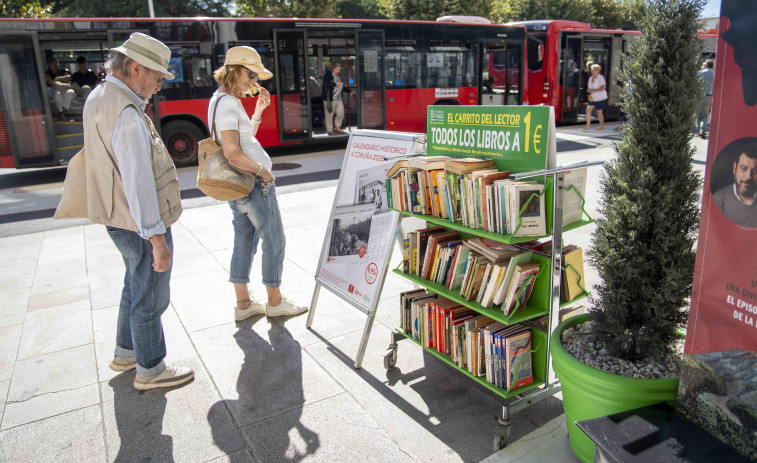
point(249, 58)
point(147, 51)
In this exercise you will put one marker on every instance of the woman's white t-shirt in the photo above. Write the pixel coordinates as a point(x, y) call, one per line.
point(596, 94)
point(231, 115)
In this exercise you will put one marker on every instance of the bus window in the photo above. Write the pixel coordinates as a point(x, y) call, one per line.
point(21, 96)
point(536, 51)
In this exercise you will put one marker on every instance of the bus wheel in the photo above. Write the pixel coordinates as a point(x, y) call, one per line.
point(181, 139)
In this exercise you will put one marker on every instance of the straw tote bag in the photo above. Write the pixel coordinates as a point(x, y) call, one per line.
point(215, 176)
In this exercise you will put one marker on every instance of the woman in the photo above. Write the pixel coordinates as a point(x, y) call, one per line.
point(257, 215)
point(597, 97)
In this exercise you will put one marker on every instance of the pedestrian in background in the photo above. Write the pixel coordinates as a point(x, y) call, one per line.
point(257, 215)
point(707, 75)
point(333, 106)
point(132, 188)
point(597, 99)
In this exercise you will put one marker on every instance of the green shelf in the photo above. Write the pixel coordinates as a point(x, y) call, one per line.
point(527, 313)
point(471, 231)
point(583, 295)
point(508, 239)
point(479, 379)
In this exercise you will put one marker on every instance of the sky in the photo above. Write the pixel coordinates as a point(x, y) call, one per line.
point(712, 9)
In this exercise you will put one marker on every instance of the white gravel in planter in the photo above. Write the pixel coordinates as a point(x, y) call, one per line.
point(583, 345)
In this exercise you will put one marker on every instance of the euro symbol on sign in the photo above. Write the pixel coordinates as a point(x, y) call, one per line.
point(537, 139)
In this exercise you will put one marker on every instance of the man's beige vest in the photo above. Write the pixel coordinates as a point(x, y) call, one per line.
point(106, 200)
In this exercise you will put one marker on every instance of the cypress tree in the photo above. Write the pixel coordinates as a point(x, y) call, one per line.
point(643, 246)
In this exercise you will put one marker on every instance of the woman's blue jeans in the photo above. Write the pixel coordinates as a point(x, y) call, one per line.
point(256, 217)
point(145, 297)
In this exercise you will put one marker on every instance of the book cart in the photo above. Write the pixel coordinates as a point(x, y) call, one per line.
point(544, 300)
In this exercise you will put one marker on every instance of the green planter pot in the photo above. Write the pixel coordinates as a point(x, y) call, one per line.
point(591, 393)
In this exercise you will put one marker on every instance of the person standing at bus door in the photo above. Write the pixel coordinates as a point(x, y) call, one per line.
point(83, 80)
point(597, 97)
point(257, 215)
point(133, 189)
point(59, 86)
point(571, 86)
point(332, 99)
point(707, 75)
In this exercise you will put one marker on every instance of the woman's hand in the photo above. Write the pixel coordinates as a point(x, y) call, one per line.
point(264, 99)
point(266, 175)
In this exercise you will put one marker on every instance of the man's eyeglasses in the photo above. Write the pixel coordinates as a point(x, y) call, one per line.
point(253, 75)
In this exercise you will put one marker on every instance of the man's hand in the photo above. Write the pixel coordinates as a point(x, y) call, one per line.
point(161, 255)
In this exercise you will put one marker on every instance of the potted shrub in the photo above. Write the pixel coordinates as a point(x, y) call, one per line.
point(643, 247)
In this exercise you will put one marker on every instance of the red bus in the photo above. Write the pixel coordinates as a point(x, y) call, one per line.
point(558, 55)
point(396, 69)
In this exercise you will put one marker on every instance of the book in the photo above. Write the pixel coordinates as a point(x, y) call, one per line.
point(572, 274)
point(493, 250)
point(475, 283)
point(505, 284)
point(497, 274)
point(406, 255)
point(518, 358)
point(484, 282)
point(462, 166)
point(569, 312)
point(431, 247)
point(459, 266)
point(521, 286)
point(412, 244)
point(422, 243)
point(574, 183)
point(529, 207)
point(486, 181)
point(405, 299)
point(396, 168)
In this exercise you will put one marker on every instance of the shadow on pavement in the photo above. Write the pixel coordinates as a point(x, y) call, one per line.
point(139, 419)
point(269, 383)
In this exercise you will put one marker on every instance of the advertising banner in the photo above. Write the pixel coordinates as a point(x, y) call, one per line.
point(718, 388)
point(361, 225)
point(520, 134)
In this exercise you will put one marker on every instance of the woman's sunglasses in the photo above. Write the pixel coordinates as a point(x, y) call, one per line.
point(253, 74)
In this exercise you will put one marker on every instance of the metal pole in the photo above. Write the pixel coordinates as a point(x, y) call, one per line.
point(150, 7)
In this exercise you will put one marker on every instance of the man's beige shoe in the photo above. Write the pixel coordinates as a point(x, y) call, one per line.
point(172, 376)
point(123, 363)
point(285, 308)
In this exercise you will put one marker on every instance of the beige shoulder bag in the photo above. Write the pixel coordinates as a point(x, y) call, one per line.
point(215, 176)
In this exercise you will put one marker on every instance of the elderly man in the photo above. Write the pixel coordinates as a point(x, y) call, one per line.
point(132, 188)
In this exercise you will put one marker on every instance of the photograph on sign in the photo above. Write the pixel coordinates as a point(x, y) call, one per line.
point(350, 232)
point(371, 188)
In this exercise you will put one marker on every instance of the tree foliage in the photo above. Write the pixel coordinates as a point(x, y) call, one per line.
point(163, 8)
point(601, 14)
point(25, 9)
point(643, 247)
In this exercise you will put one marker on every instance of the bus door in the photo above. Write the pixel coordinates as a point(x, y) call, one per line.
point(325, 48)
point(501, 65)
point(66, 47)
point(291, 84)
point(371, 88)
point(570, 69)
point(25, 120)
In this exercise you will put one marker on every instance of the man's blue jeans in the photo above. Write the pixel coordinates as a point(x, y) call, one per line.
point(257, 216)
point(145, 297)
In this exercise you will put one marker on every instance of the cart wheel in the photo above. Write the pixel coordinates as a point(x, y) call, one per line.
point(390, 358)
point(500, 442)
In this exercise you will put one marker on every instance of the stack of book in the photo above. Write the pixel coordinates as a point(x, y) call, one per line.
point(481, 270)
point(473, 342)
point(470, 191)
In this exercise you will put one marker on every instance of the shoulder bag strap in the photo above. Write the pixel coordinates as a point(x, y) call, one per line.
point(213, 122)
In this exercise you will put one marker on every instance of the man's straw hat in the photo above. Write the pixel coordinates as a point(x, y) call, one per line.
point(249, 58)
point(147, 51)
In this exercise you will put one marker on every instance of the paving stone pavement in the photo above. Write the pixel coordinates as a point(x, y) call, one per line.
point(265, 390)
